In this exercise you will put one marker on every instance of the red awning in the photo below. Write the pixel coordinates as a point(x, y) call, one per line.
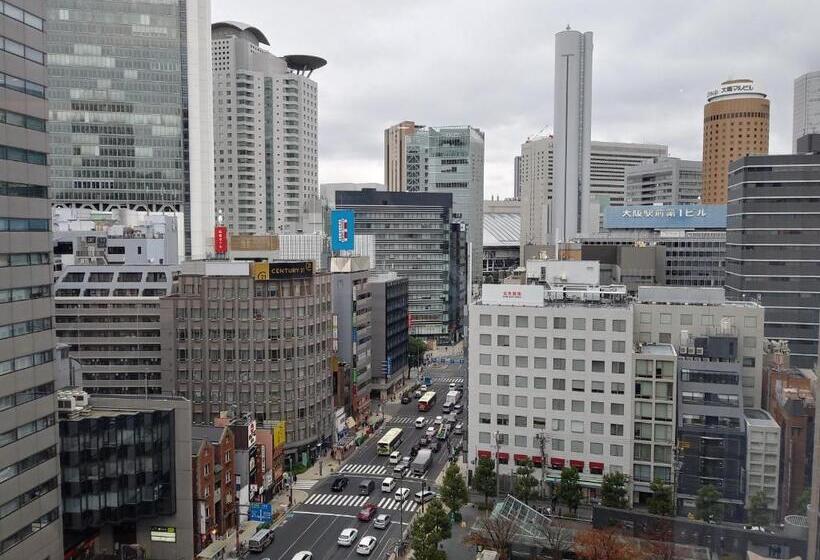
point(503, 456)
point(577, 465)
point(536, 460)
point(556, 462)
point(484, 454)
point(596, 468)
point(521, 458)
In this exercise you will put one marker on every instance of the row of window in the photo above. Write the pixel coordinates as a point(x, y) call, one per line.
point(23, 224)
point(24, 327)
point(22, 294)
point(27, 429)
point(23, 189)
point(24, 362)
point(21, 85)
point(558, 384)
point(25, 156)
point(109, 276)
point(24, 51)
point(10, 10)
point(105, 292)
point(27, 497)
point(27, 463)
point(560, 364)
point(22, 397)
point(556, 444)
point(557, 424)
point(229, 354)
point(24, 121)
point(558, 405)
point(30, 528)
point(558, 343)
point(558, 323)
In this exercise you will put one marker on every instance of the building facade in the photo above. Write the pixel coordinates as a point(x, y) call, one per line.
point(257, 336)
point(450, 159)
point(109, 317)
point(395, 154)
point(536, 168)
point(572, 120)
point(29, 467)
point(772, 250)
point(212, 469)
point(265, 133)
point(735, 124)
point(390, 347)
point(149, 438)
point(609, 163)
point(763, 435)
point(667, 181)
point(412, 236)
point(120, 132)
point(806, 106)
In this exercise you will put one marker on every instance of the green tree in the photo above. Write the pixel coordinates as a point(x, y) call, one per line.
point(484, 478)
point(707, 504)
point(662, 501)
point(613, 491)
point(415, 351)
point(758, 513)
point(569, 489)
point(428, 530)
point(802, 505)
point(453, 489)
point(525, 482)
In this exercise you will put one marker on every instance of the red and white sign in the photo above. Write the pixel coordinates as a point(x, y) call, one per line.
point(512, 294)
point(220, 240)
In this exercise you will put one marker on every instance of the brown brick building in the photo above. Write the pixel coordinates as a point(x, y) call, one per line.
point(735, 124)
point(213, 463)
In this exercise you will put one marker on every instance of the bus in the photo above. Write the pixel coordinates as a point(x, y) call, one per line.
point(260, 540)
point(390, 441)
point(427, 401)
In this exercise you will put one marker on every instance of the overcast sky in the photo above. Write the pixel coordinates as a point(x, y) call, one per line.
point(490, 64)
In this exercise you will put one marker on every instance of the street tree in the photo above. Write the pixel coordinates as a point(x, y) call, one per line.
point(603, 544)
point(707, 504)
point(569, 489)
point(484, 478)
point(758, 513)
point(662, 501)
point(613, 491)
point(415, 351)
point(556, 537)
point(801, 507)
point(495, 533)
point(525, 482)
point(453, 489)
point(428, 530)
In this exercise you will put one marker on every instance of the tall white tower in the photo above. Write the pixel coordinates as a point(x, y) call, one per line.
point(572, 143)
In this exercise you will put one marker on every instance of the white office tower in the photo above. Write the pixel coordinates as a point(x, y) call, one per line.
point(806, 106)
point(572, 141)
point(265, 133)
point(535, 176)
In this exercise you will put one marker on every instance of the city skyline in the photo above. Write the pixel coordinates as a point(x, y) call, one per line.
point(646, 79)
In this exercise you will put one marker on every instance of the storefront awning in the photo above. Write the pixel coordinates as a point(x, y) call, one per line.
point(503, 456)
point(556, 462)
point(484, 454)
point(577, 465)
point(519, 458)
point(536, 460)
point(596, 468)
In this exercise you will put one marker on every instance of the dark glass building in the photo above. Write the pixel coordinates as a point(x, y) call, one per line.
point(773, 243)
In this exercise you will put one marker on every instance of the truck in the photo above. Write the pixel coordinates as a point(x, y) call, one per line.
point(452, 397)
point(422, 462)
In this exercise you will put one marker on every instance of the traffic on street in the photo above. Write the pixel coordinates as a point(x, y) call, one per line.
point(360, 510)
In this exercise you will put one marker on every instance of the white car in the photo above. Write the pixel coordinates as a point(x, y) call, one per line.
point(438, 420)
point(452, 386)
point(303, 555)
point(420, 422)
point(366, 545)
point(347, 537)
point(431, 431)
point(395, 457)
point(423, 388)
point(382, 521)
point(401, 494)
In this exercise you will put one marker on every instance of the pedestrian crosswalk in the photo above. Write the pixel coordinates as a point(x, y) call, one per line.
point(346, 500)
point(363, 469)
point(448, 380)
point(304, 484)
point(402, 420)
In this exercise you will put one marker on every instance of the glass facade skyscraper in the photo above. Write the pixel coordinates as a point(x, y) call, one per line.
point(124, 78)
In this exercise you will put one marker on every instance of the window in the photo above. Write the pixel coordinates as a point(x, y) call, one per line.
point(539, 402)
point(579, 344)
point(522, 321)
point(502, 419)
point(521, 421)
point(485, 320)
point(599, 324)
point(685, 319)
point(596, 407)
point(598, 345)
point(559, 343)
point(557, 444)
point(559, 364)
point(559, 384)
point(483, 437)
point(618, 346)
point(502, 360)
point(578, 365)
point(521, 441)
point(484, 398)
point(576, 426)
point(616, 409)
point(557, 425)
point(646, 318)
point(502, 340)
point(521, 362)
point(577, 406)
point(706, 320)
point(521, 401)
point(577, 446)
point(616, 429)
point(748, 361)
point(616, 450)
point(643, 452)
point(666, 318)
point(502, 399)
point(618, 367)
point(539, 423)
point(579, 324)
point(619, 325)
point(503, 320)
point(539, 382)
point(485, 340)
point(540, 322)
point(749, 342)
point(484, 379)
point(540, 342)
point(750, 322)
point(596, 427)
point(665, 338)
point(558, 404)
point(483, 417)
point(521, 381)
point(539, 363)
point(502, 380)
point(598, 366)
point(559, 323)
point(578, 385)
point(485, 359)
point(596, 448)
point(521, 342)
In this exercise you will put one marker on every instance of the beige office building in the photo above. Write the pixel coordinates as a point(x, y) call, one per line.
point(735, 124)
point(395, 168)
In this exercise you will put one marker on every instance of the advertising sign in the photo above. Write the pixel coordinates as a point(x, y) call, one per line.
point(342, 223)
point(164, 534)
point(279, 434)
point(673, 216)
point(260, 512)
point(220, 240)
point(286, 270)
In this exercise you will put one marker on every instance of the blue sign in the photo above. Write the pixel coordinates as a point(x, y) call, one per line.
point(342, 225)
point(261, 512)
point(674, 216)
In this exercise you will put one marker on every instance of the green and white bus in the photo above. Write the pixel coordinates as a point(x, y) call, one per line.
point(390, 441)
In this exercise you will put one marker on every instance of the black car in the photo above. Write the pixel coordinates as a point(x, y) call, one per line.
point(339, 483)
point(415, 450)
point(424, 441)
point(405, 399)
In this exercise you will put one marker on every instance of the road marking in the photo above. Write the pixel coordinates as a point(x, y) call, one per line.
point(284, 554)
point(347, 500)
point(363, 469)
point(322, 513)
point(304, 484)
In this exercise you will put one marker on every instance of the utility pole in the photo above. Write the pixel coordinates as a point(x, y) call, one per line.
point(677, 462)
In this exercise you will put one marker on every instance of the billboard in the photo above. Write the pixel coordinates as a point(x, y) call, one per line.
point(220, 240)
point(287, 270)
point(342, 225)
point(512, 294)
point(674, 216)
point(260, 512)
point(279, 434)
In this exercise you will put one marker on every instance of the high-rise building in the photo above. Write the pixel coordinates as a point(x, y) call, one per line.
point(389, 357)
point(667, 181)
point(735, 124)
point(29, 463)
point(450, 159)
point(772, 250)
point(806, 106)
point(536, 168)
point(395, 154)
point(123, 132)
point(265, 133)
point(572, 142)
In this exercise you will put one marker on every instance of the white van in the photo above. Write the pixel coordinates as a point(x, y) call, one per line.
point(420, 422)
point(388, 484)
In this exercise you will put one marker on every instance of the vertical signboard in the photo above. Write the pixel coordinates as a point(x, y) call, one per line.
point(220, 240)
point(342, 225)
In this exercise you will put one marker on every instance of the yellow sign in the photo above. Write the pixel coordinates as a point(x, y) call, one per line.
point(254, 242)
point(261, 270)
point(279, 434)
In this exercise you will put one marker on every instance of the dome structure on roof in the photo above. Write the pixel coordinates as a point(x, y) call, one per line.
point(239, 26)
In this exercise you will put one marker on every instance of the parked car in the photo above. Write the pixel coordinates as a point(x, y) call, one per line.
point(382, 521)
point(339, 484)
point(367, 512)
point(347, 537)
point(405, 398)
point(366, 545)
point(394, 458)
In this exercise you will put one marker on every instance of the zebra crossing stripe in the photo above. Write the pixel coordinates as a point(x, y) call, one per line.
point(347, 500)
